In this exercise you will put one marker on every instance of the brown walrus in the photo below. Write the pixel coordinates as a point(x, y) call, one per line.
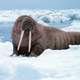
point(42, 37)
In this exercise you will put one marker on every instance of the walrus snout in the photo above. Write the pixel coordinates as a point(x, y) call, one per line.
point(27, 23)
point(27, 26)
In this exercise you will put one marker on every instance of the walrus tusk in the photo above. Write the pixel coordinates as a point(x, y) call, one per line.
point(22, 33)
point(29, 45)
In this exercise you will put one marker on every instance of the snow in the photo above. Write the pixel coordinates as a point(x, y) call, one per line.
point(47, 16)
point(51, 64)
point(75, 26)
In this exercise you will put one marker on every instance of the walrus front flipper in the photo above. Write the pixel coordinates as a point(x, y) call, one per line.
point(37, 50)
point(15, 52)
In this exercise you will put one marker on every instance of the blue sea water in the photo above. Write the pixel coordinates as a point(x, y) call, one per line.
point(5, 31)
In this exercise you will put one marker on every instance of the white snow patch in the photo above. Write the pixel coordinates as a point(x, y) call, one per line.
point(52, 64)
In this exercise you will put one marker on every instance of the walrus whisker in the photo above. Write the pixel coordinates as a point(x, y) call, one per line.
point(22, 33)
point(29, 45)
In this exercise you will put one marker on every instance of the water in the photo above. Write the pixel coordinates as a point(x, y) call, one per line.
point(5, 31)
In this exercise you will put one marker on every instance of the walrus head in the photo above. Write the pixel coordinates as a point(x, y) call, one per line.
point(27, 25)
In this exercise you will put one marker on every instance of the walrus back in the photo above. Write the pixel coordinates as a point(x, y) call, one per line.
point(58, 39)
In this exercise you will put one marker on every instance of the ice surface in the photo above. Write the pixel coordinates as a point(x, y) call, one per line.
point(52, 64)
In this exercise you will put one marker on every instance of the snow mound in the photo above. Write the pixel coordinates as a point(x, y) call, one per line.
point(46, 16)
point(52, 64)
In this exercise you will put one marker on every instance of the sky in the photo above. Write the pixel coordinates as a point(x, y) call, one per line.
point(39, 4)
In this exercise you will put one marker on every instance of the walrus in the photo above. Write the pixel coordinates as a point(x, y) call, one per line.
point(30, 38)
